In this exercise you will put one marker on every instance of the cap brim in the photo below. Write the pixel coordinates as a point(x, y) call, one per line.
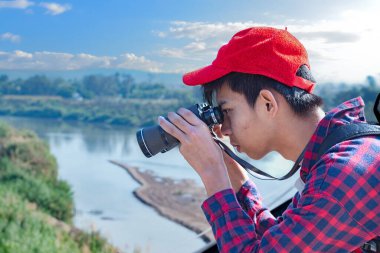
point(204, 75)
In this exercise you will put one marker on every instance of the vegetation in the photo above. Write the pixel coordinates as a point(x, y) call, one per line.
point(118, 99)
point(114, 99)
point(335, 94)
point(36, 209)
point(90, 87)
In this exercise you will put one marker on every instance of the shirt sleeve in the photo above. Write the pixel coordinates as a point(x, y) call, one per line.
point(338, 210)
point(318, 224)
point(251, 202)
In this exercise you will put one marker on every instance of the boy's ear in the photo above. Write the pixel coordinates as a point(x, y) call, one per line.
point(268, 100)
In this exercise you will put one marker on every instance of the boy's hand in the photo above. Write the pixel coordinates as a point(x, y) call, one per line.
point(198, 148)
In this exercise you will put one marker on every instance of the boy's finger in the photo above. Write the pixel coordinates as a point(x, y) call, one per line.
point(218, 131)
point(170, 128)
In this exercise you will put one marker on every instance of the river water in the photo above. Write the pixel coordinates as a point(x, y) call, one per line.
point(103, 192)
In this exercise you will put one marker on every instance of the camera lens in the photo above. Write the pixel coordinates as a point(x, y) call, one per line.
point(154, 139)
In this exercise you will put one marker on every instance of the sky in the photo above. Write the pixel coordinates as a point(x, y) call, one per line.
point(171, 36)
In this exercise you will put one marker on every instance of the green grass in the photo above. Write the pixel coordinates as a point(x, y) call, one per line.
point(23, 230)
point(36, 209)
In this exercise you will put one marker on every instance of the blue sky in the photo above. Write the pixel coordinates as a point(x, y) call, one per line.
point(342, 37)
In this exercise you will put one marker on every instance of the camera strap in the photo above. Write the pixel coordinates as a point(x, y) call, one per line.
point(342, 133)
point(250, 168)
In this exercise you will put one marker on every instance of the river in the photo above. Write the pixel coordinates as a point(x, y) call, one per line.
point(103, 192)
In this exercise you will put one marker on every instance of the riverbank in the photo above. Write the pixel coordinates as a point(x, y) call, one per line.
point(36, 207)
point(177, 200)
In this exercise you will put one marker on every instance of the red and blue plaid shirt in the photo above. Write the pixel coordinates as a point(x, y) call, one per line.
point(337, 211)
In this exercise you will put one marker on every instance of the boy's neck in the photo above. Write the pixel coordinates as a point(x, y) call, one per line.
point(296, 134)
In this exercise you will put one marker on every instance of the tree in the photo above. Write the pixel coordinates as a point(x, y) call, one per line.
point(100, 86)
point(38, 85)
point(371, 81)
point(3, 79)
point(125, 85)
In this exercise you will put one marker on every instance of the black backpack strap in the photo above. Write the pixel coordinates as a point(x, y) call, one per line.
point(376, 108)
point(372, 246)
point(347, 132)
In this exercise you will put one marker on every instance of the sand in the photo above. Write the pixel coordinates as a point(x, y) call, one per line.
point(177, 200)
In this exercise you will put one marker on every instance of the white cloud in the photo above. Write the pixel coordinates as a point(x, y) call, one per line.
point(194, 51)
point(340, 49)
point(172, 52)
point(131, 61)
point(196, 46)
point(18, 54)
point(55, 8)
point(344, 49)
point(10, 37)
point(203, 39)
point(51, 7)
point(160, 34)
point(18, 4)
point(200, 31)
point(21, 60)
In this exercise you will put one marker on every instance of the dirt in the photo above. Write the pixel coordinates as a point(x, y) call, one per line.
point(177, 200)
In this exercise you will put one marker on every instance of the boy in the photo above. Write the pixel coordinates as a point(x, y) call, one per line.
point(262, 81)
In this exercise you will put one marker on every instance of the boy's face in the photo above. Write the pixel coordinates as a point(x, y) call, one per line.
point(248, 128)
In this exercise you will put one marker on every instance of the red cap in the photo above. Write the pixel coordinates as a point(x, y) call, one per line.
point(266, 51)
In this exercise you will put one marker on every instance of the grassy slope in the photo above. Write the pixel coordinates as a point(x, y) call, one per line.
point(36, 208)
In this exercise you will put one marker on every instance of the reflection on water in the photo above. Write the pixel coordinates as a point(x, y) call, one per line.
point(103, 192)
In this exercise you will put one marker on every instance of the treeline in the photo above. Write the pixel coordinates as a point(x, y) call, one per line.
point(36, 208)
point(131, 113)
point(120, 86)
point(111, 99)
point(118, 99)
point(335, 94)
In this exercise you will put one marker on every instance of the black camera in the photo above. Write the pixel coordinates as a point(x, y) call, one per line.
point(154, 139)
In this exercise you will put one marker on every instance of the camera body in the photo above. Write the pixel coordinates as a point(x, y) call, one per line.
point(154, 139)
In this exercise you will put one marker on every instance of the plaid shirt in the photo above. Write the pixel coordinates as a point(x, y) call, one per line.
point(337, 211)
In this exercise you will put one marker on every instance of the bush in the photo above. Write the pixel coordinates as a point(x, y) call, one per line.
point(33, 202)
point(53, 198)
point(24, 230)
point(5, 130)
point(33, 156)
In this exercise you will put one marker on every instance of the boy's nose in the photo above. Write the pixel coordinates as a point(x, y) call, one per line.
point(226, 130)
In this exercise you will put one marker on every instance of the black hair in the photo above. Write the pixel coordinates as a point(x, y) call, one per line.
point(301, 102)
